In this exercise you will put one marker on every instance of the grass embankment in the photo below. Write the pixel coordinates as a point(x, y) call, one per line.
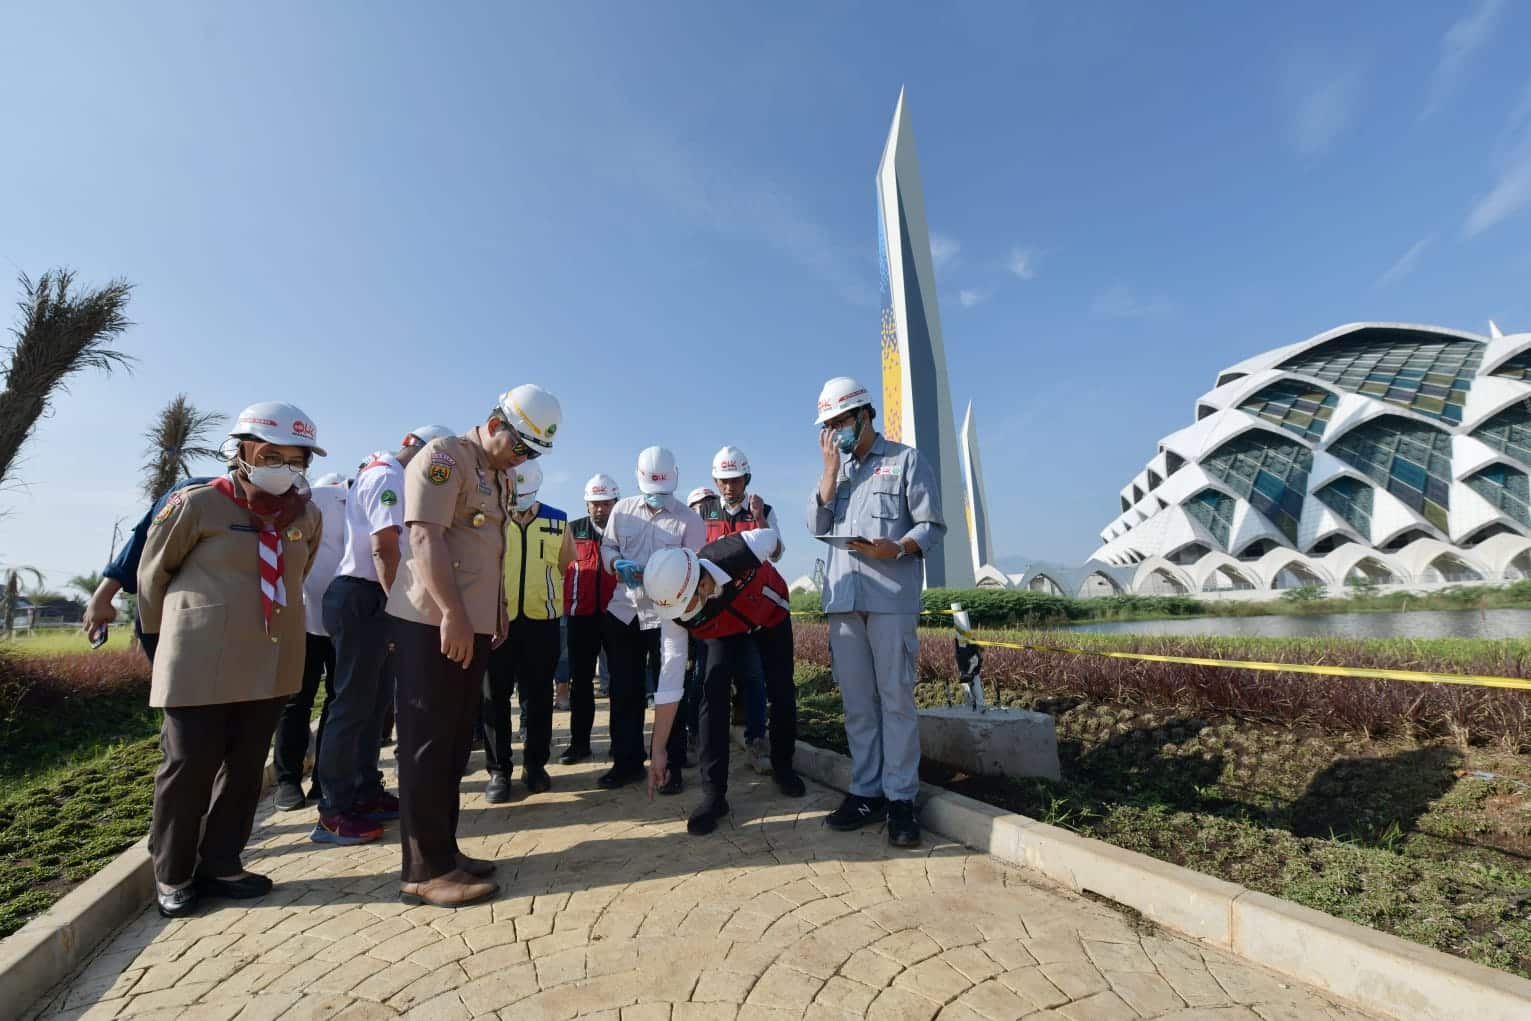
point(77, 750)
point(1352, 797)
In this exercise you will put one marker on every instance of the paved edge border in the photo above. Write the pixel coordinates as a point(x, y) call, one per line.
point(1370, 969)
point(48, 949)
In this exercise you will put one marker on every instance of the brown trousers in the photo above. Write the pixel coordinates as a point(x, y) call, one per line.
point(208, 786)
point(437, 708)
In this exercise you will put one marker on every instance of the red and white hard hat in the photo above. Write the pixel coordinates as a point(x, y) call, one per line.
point(730, 463)
point(697, 495)
point(670, 579)
point(657, 471)
point(840, 395)
point(534, 412)
point(423, 435)
point(277, 422)
point(601, 487)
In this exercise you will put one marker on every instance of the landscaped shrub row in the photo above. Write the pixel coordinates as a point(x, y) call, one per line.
point(1331, 704)
point(1020, 608)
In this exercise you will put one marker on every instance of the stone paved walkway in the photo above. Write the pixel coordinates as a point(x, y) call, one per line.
point(610, 910)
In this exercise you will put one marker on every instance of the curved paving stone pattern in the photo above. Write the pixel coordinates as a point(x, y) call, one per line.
point(609, 910)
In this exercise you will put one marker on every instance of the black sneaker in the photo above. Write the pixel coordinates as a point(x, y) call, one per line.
point(497, 790)
point(572, 755)
point(619, 777)
point(855, 812)
point(705, 819)
point(289, 796)
point(789, 783)
point(673, 784)
point(537, 780)
point(903, 826)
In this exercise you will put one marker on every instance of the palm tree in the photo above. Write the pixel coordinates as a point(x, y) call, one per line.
point(13, 591)
point(86, 583)
point(178, 437)
point(59, 334)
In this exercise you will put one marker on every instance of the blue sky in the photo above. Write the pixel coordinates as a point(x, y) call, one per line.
point(665, 213)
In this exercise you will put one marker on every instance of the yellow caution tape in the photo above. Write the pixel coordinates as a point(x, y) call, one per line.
point(1410, 676)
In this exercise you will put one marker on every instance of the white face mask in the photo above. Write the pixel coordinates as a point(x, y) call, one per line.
point(654, 500)
point(524, 502)
point(275, 481)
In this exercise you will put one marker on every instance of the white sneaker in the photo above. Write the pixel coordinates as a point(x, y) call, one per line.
point(759, 751)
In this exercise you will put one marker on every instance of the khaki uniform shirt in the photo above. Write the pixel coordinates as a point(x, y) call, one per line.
point(199, 590)
point(450, 483)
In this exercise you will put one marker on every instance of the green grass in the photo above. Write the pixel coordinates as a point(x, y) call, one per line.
point(62, 641)
point(1395, 835)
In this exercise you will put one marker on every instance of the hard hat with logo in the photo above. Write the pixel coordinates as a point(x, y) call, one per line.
point(730, 463)
point(840, 395)
point(423, 435)
point(670, 580)
point(528, 478)
point(657, 472)
point(277, 422)
point(601, 487)
point(697, 495)
point(535, 413)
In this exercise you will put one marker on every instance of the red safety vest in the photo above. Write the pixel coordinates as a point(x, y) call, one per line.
point(720, 523)
point(587, 586)
point(754, 599)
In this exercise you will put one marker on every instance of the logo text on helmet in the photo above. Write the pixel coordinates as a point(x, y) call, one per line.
point(304, 429)
point(252, 420)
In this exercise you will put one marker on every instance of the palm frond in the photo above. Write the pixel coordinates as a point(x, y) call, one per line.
point(86, 583)
point(59, 333)
point(180, 435)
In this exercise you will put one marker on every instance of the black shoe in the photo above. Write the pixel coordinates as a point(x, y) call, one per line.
point(572, 755)
point(855, 812)
point(178, 903)
point(705, 819)
point(537, 780)
point(673, 784)
point(315, 792)
point(246, 887)
point(289, 796)
point(789, 783)
point(497, 790)
point(903, 827)
point(620, 777)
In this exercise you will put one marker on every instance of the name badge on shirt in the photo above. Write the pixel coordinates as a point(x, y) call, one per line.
point(483, 484)
point(888, 471)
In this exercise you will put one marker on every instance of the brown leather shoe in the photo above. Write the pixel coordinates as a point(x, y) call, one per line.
point(456, 889)
point(478, 867)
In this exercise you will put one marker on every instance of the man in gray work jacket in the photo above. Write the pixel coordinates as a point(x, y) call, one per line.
point(885, 494)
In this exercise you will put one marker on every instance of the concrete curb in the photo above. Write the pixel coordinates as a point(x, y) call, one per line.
point(1370, 969)
point(50, 947)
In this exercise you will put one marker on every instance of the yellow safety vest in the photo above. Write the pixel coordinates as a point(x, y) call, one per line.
point(533, 580)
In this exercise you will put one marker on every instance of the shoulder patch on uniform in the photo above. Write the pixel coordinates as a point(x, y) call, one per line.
point(442, 457)
point(388, 498)
point(439, 473)
point(173, 501)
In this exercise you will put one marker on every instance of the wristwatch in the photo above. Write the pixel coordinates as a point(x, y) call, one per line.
point(903, 551)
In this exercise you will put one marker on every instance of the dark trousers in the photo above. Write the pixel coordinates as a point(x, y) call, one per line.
point(586, 640)
point(774, 647)
point(297, 714)
point(524, 664)
point(437, 711)
point(749, 681)
point(627, 649)
point(207, 787)
point(696, 669)
point(347, 762)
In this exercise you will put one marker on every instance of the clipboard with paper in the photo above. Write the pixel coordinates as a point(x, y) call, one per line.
point(842, 541)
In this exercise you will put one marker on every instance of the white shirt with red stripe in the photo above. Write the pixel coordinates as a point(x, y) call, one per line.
point(376, 503)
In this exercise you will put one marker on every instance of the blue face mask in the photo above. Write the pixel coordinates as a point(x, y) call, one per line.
point(846, 437)
point(654, 500)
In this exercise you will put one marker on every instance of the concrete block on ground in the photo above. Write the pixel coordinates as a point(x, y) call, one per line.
point(996, 742)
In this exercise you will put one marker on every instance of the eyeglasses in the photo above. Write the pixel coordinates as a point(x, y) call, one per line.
point(520, 448)
point(271, 459)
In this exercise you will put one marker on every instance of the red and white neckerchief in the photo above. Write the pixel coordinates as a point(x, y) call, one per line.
point(273, 588)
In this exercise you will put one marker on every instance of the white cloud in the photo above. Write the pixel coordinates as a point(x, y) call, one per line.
point(970, 297)
point(1322, 100)
point(1120, 302)
point(1466, 36)
point(1405, 264)
point(1510, 194)
point(1022, 262)
point(943, 250)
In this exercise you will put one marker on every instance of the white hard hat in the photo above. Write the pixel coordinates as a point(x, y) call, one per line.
point(528, 478)
point(730, 463)
point(602, 487)
point(330, 479)
point(423, 435)
point(697, 494)
point(670, 579)
point(657, 472)
point(840, 395)
point(534, 412)
point(277, 422)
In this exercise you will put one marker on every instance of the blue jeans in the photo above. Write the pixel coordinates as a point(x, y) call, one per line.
point(347, 770)
point(750, 679)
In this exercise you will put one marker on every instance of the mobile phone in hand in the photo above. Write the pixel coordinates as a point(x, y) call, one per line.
point(98, 638)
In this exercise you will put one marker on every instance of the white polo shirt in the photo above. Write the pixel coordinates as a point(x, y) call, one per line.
point(331, 501)
point(376, 503)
